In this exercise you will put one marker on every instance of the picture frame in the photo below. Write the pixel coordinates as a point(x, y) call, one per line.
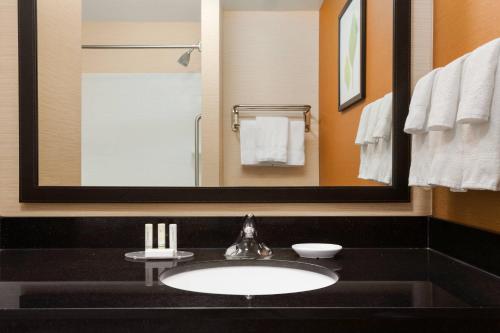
point(351, 54)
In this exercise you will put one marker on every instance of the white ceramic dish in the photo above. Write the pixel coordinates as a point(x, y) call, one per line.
point(316, 250)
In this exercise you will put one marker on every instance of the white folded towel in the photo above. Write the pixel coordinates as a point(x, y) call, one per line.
point(445, 96)
point(271, 139)
point(416, 122)
point(360, 140)
point(375, 141)
point(383, 131)
point(295, 152)
point(362, 126)
point(481, 152)
point(478, 84)
point(247, 142)
point(446, 164)
point(373, 116)
point(383, 154)
point(383, 126)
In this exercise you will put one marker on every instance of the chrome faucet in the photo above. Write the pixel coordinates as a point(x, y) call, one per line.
point(247, 245)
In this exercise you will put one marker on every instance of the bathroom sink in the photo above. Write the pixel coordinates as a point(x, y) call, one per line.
point(249, 278)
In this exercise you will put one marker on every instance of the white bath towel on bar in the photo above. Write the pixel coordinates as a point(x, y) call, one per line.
point(296, 150)
point(446, 164)
point(247, 142)
point(416, 122)
point(272, 139)
point(360, 141)
point(383, 125)
point(362, 126)
point(478, 83)
point(481, 144)
point(445, 96)
point(383, 132)
point(375, 150)
point(421, 159)
point(372, 119)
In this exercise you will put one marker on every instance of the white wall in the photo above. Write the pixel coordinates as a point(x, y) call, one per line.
point(138, 129)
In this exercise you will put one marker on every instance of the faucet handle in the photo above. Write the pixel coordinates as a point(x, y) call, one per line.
point(249, 230)
point(247, 246)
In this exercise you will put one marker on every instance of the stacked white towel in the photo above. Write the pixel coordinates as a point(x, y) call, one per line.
point(272, 141)
point(374, 137)
point(459, 147)
point(383, 132)
point(247, 142)
point(416, 122)
point(481, 148)
point(445, 97)
point(296, 149)
point(478, 84)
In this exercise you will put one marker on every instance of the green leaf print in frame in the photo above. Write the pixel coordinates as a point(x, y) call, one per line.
point(351, 57)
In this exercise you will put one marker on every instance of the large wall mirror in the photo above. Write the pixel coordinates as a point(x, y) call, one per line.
point(311, 100)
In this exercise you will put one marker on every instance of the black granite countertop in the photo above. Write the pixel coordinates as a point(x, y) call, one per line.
point(368, 278)
point(373, 283)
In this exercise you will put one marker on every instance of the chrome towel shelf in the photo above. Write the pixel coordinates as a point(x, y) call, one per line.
point(305, 109)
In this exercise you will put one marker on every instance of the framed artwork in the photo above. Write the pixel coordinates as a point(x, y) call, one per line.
point(352, 53)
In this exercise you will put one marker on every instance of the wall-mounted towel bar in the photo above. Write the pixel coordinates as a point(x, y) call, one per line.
point(304, 109)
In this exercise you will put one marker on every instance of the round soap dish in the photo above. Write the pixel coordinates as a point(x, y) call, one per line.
point(316, 250)
point(141, 255)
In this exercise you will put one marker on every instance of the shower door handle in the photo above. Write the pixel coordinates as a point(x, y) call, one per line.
point(197, 150)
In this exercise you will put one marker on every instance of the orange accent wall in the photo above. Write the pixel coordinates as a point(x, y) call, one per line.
point(339, 156)
point(460, 27)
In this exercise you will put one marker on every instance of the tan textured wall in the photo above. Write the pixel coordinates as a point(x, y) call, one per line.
point(339, 156)
point(265, 63)
point(59, 97)
point(211, 85)
point(139, 61)
point(459, 27)
point(9, 167)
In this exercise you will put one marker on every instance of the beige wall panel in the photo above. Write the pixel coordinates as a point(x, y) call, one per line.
point(59, 98)
point(270, 58)
point(9, 165)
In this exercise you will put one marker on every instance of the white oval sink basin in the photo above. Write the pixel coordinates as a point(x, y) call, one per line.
point(265, 277)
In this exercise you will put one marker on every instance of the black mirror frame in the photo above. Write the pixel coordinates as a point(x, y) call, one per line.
point(30, 191)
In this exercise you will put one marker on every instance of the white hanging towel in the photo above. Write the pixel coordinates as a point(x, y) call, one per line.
point(383, 149)
point(296, 150)
point(372, 122)
point(416, 121)
point(383, 153)
point(247, 142)
point(445, 96)
point(272, 139)
point(370, 156)
point(478, 84)
point(421, 159)
point(362, 126)
point(383, 126)
point(360, 140)
point(481, 144)
point(446, 164)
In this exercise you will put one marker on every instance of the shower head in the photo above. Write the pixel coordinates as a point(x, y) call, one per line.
point(185, 58)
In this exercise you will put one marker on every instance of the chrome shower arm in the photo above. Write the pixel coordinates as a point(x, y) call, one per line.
point(168, 46)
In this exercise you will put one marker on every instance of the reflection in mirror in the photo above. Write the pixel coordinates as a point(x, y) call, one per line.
point(121, 89)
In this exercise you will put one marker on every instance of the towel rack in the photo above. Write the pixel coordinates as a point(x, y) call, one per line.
point(305, 109)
